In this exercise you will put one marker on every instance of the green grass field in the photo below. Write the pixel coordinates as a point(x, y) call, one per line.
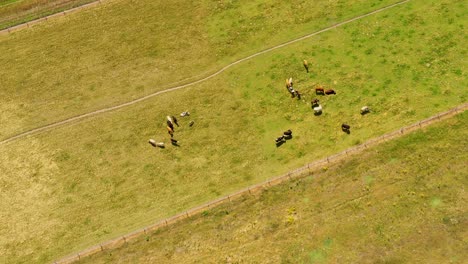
point(81, 184)
point(14, 12)
point(401, 202)
point(123, 50)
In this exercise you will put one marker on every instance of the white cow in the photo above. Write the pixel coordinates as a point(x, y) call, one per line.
point(318, 109)
point(365, 110)
point(156, 144)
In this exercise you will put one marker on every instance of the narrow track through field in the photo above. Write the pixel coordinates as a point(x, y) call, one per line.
point(105, 110)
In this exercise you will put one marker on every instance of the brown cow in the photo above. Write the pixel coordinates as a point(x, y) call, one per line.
point(330, 91)
point(306, 66)
point(319, 90)
point(170, 131)
point(169, 124)
point(315, 102)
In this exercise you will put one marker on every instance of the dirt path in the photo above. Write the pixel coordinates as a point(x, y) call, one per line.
point(304, 171)
point(105, 110)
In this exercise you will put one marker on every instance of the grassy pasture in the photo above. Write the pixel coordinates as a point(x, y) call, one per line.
point(14, 12)
point(401, 202)
point(81, 184)
point(122, 50)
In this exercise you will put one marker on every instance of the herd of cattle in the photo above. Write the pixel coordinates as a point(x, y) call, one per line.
point(171, 121)
point(316, 106)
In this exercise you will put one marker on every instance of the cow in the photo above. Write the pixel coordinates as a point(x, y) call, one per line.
point(186, 113)
point(291, 91)
point(319, 90)
point(298, 94)
point(174, 119)
point(287, 134)
point(306, 66)
point(330, 91)
point(365, 110)
point(170, 131)
point(156, 144)
point(169, 124)
point(345, 127)
point(191, 123)
point(174, 142)
point(279, 139)
point(318, 110)
point(315, 102)
point(289, 86)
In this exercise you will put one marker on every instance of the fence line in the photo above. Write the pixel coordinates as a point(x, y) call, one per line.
point(46, 18)
point(251, 190)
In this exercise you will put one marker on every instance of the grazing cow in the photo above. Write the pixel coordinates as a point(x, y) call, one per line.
point(191, 123)
point(365, 110)
point(319, 90)
point(292, 91)
point(330, 91)
point(298, 94)
point(174, 119)
point(186, 113)
point(154, 144)
point(174, 142)
point(279, 140)
point(318, 110)
point(306, 66)
point(315, 102)
point(345, 127)
point(289, 86)
point(287, 134)
point(170, 131)
point(169, 124)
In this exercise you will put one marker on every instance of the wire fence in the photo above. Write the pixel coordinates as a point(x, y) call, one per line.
point(257, 188)
point(46, 18)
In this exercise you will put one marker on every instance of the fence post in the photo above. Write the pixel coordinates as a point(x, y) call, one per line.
point(124, 239)
point(250, 191)
point(102, 249)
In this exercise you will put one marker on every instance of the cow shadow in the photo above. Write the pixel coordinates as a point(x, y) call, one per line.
point(347, 131)
point(278, 144)
point(288, 137)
